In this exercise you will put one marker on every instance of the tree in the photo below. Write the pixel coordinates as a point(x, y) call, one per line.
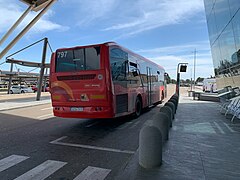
point(188, 81)
point(199, 79)
point(173, 81)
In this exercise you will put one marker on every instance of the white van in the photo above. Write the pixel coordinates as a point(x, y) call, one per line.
point(209, 85)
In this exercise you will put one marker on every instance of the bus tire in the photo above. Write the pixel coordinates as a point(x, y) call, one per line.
point(138, 107)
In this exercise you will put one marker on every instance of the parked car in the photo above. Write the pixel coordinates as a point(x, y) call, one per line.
point(26, 89)
point(15, 90)
point(34, 88)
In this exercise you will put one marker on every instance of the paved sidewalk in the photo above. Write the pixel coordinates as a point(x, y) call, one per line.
point(8, 102)
point(202, 144)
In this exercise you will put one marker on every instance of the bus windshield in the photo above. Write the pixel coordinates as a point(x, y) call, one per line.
point(78, 59)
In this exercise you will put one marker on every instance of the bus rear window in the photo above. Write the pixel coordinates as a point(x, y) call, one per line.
point(78, 59)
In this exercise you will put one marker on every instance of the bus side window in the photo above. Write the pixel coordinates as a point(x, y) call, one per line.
point(118, 60)
point(134, 74)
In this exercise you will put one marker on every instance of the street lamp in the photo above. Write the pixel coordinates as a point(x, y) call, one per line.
point(183, 68)
point(194, 68)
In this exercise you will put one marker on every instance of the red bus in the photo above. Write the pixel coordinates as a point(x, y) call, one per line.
point(103, 81)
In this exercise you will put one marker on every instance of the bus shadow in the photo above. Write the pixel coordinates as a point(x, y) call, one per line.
point(111, 124)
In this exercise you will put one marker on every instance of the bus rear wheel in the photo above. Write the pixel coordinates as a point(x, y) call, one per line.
point(138, 107)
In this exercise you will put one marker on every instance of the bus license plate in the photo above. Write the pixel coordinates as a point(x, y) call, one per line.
point(76, 109)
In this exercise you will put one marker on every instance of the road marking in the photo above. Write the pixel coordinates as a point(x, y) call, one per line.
point(206, 145)
point(42, 171)
point(219, 128)
point(230, 129)
point(92, 124)
point(11, 161)
point(46, 116)
point(46, 108)
point(93, 173)
point(57, 141)
point(174, 128)
point(134, 124)
point(123, 126)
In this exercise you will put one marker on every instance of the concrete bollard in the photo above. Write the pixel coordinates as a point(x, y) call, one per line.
point(162, 122)
point(150, 147)
point(174, 97)
point(172, 106)
point(168, 111)
point(174, 102)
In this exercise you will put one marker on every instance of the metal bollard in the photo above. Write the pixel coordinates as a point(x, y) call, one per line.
point(162, 122)
point(172, 106)
point(150, 147)
point(168, 111)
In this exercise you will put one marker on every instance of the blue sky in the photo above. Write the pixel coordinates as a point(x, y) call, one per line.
point(164, 31)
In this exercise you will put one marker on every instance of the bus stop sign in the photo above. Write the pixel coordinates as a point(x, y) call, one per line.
point(183, 68)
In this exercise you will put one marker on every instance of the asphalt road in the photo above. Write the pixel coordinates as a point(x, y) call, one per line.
point(36, 145)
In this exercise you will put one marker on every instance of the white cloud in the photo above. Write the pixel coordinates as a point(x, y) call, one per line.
point(203, 68)
point(11, 11)
point(90, 11)
point(44, 24)
point(170, 56)
point(182, 48)
point(155, 13)
point(135, 16)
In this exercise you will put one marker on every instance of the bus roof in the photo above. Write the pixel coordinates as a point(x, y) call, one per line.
point(114, 44)
point(141, 57)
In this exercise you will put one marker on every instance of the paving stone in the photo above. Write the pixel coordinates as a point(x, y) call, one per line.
point(202, 144)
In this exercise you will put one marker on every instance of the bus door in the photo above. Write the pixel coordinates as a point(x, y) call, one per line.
point(149, 85)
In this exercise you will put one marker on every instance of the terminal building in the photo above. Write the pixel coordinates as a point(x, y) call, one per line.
point(223, 20)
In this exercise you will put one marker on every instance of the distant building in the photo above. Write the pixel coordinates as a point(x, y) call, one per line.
point(18, 77)
point(223, 20)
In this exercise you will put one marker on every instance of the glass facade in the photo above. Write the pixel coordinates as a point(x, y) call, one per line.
point(223, 20)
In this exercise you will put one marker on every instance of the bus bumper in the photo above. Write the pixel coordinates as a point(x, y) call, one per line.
point(83, 112)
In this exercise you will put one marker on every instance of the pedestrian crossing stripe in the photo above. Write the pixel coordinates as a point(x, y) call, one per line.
point(93, 173)
point(49, 167)
point(42, 171)
point(11, 161)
